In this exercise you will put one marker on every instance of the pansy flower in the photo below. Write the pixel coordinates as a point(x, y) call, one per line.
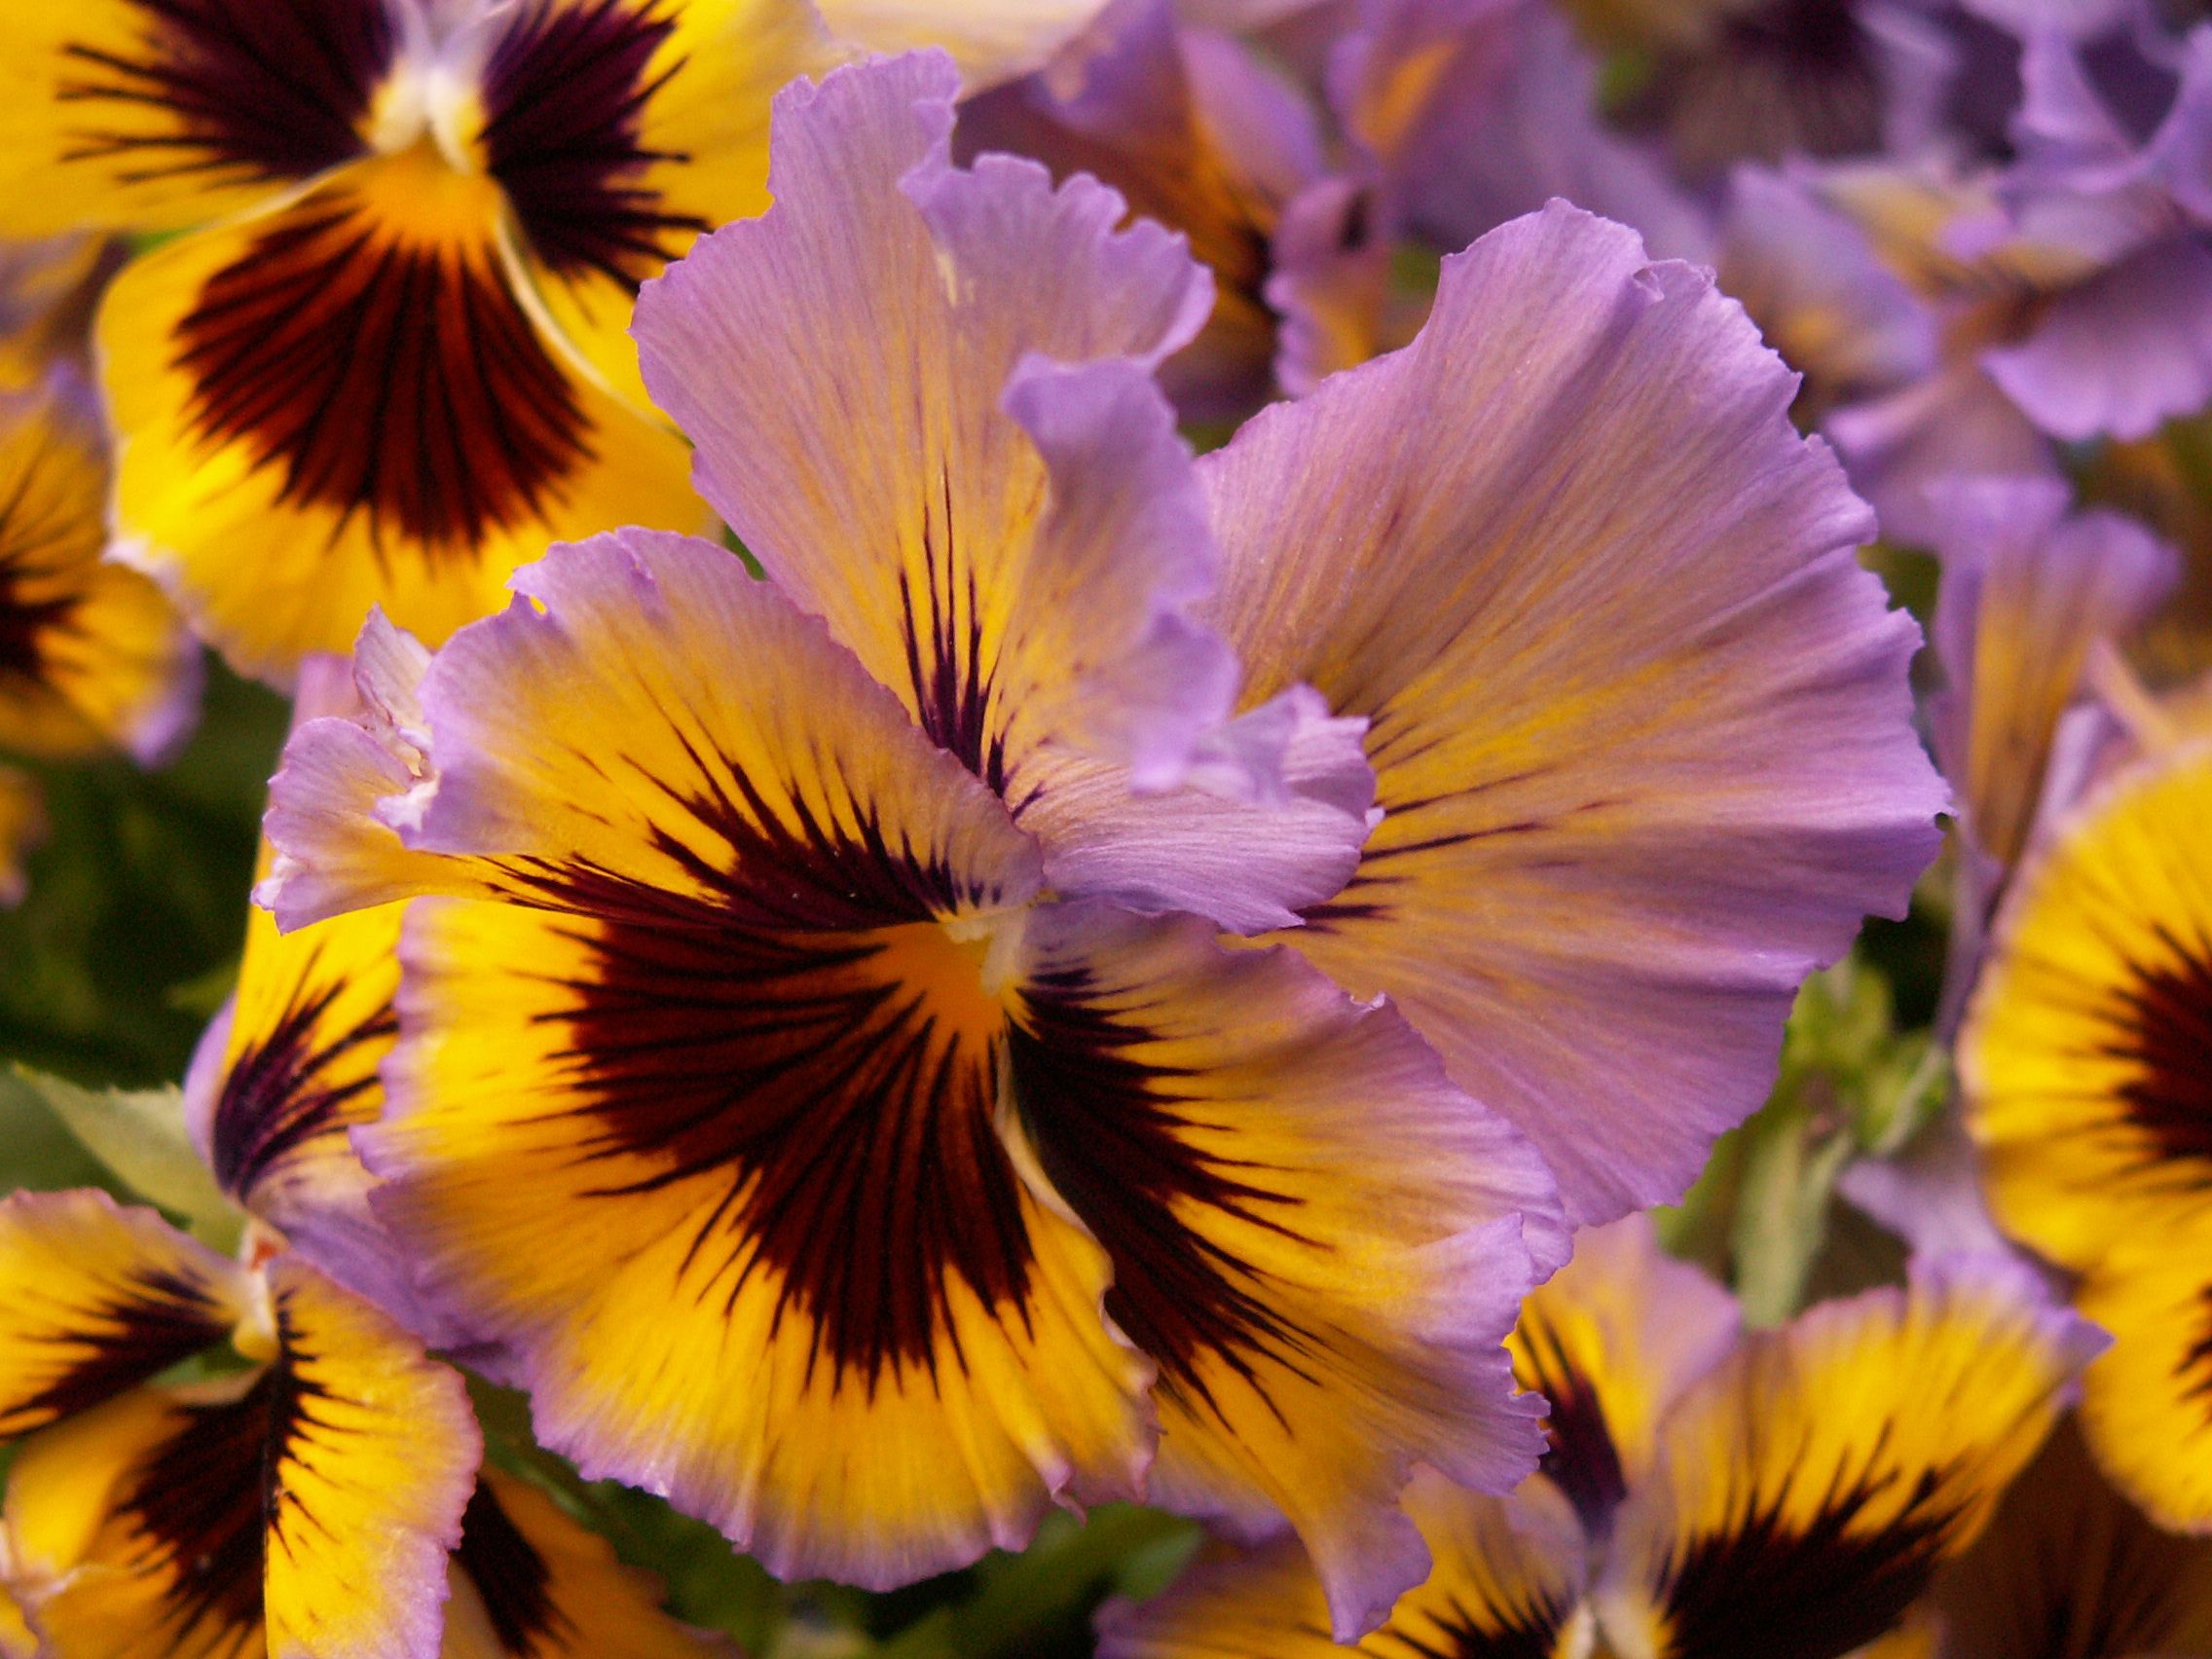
point(824, 1077)
point(392, 366)
point(91, 656)
point(324, 1499)
point(2072, 288)
point(2086, 1061)
point(1703, 1495)
point(308, 1501)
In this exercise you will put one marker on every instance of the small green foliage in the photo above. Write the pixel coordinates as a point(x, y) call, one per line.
point(138, 1137)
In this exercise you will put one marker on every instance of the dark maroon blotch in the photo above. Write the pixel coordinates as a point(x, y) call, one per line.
point(565, 95)
point(262, 90)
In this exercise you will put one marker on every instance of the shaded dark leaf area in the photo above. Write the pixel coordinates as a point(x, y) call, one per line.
point(129, 937)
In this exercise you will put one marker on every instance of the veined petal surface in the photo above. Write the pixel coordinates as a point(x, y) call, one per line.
point(303, 1510)
point(1326, 1303)
point(1816, 1481)
point(158, 113)
point(1639, 721)
point(282, 1076)
point(349, 385)
point(618, 131)
point(95, 1298)
point(531, 1583)
point(967, 472)
point(1612, 1343)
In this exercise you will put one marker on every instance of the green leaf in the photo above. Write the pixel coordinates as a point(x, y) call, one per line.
point(140, 1136)
point(37, 1151)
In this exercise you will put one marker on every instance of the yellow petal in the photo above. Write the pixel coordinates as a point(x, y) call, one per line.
point(2086, 1055)
point(95, 1298)
point(1815, 1482)
point(371, 1454)
point(1507, 1584)
point(743, 1208)
point(675, 130)
point(342, 403)
point(528, 1580)
point(91, 654)
point(1612, 1341)
point(135, 115)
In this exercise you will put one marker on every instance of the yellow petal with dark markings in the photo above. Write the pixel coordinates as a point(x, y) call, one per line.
point(371, 1456)
point(620, 129)
point(529, 1583)
point(91, 656)
point(304, 1509)
point(284, 1074)
point(95, 1298)
point(746, 1204)
point(1612, 1341)
point(157, 114)
point(2147, 1405)
point(1816, 1481)
point(2087, 1054)
point(136, 1528)
point(349, 390)
point(1326, 1303)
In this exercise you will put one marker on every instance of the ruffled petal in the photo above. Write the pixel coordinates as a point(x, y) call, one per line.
point(138, 115)
point(1612, 1343)
point(1319, 1241)
point(2087, 1057)
point(342, 403)
point(1508, 1580)
point(1816, 1480)
point(95, 1298)
point(529, 1583)
point(1269, 821)
point(92, 655)
point(1006, 543)
point(1639, 721)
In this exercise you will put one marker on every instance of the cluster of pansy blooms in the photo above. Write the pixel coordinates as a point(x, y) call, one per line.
point(895, 950)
